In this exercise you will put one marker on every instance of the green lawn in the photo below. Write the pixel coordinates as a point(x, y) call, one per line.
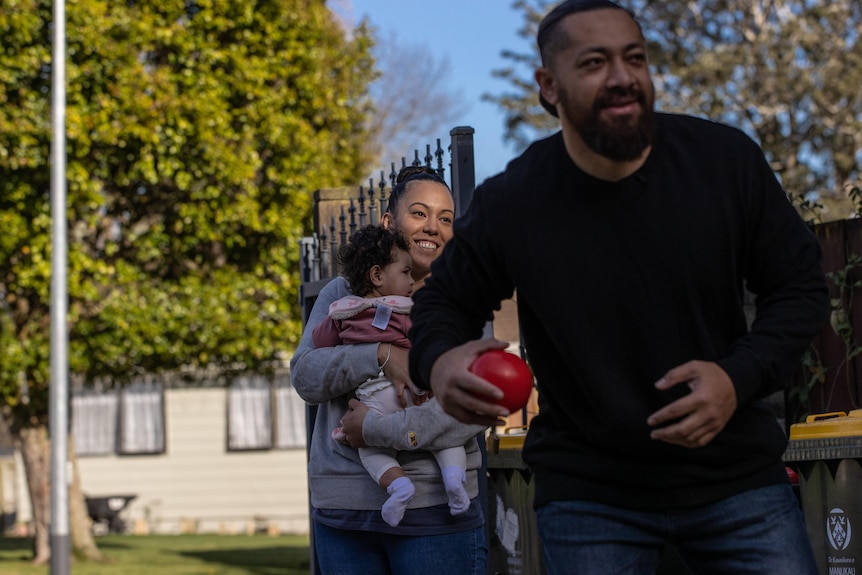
point(175, 555)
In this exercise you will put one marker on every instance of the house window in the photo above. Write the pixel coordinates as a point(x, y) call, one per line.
point(265, 414)
point(127, 421)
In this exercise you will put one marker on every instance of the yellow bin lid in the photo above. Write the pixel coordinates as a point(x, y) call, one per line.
point(513, 437)
point(823, 425)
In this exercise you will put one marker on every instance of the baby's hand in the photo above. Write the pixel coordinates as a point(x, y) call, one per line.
point(396, 372)
point(405, 396)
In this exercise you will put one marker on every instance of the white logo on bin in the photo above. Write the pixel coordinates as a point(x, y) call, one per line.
point(838, 529)
point(507, 526)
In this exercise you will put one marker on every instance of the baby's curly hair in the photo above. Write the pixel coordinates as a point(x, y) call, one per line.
point(370, 246)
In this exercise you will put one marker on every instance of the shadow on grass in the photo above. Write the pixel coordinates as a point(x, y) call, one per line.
point(21, 549)
point(276, 560)
point(16, 543)
point(113, 543)
point(16, 548)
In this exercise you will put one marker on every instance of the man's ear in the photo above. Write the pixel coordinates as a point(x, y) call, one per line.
point(375, 274)
point(547, 85)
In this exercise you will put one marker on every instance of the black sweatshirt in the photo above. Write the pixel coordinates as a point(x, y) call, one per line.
point(619, 282)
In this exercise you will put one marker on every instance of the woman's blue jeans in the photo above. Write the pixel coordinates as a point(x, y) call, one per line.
point(757, 532)
point(345, 552)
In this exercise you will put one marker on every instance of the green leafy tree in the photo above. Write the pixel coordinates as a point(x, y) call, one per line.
point(786, 71)
point(196, 131)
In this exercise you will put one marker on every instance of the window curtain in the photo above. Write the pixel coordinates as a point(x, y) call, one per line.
point(250, 413)
point(94, 422)
point(290, 415)
point(142, 418)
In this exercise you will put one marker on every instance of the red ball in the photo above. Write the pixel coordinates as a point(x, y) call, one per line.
point(508, 372)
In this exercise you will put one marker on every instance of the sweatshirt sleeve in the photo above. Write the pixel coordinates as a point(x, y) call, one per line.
point(322, 374)
point(783, 270)
point(425, 426)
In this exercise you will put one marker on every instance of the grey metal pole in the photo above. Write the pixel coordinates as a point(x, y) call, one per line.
point(58, 415)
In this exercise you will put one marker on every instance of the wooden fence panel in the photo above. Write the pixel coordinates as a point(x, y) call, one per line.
point(842, 260)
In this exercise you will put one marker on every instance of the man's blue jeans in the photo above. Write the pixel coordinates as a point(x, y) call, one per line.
point(757, 532)
point(344, 552)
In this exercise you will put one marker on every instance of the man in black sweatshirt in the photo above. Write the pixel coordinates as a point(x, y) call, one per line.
point(630, 237)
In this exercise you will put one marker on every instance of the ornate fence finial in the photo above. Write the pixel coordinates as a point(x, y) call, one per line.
point(393, 175)
point(343, 231)
point(383, 198)
point(325, 254)
point(362, 214)
point(352, 211)
point(428, 156)
point(305, 257)
point(439, 153)
point(332, 246)
point(314, 258)
point(372, 207)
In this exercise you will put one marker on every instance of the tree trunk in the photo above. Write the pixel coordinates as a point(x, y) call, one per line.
point(36, 453)
point(83, 544)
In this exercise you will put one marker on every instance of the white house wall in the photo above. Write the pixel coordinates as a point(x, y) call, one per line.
point(197, 484)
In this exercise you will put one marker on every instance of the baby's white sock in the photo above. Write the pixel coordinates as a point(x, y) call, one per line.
point(455, 478)
point(400, 493)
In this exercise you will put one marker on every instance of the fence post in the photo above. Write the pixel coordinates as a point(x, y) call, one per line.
point(463, 184)
point(463, 167)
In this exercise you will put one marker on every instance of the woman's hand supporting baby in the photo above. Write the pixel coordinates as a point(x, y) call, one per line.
point(352, 424)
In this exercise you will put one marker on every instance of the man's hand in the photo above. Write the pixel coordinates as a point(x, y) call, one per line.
point(699, 416)
point(462, 394)
point(352, 423)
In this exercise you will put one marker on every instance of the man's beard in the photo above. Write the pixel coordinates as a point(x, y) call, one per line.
point(616, 139)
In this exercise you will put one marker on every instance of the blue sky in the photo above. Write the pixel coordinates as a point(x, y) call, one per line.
point(472, 34)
